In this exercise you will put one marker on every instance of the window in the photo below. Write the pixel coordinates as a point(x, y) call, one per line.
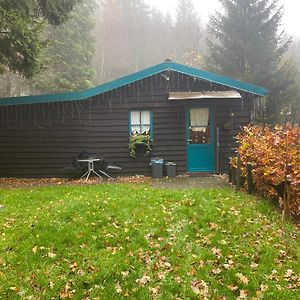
point(199, 127)
point(140, 122)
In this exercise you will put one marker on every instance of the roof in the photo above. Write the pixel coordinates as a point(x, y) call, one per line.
point(205, 95)
point(165, 66)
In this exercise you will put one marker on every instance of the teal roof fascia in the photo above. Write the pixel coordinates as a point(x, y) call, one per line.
point(223, 80)
point(172, 66)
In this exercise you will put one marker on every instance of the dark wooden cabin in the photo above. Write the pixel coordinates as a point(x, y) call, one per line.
point(193, 117)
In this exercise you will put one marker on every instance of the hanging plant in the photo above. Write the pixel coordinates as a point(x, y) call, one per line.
point(139, 139)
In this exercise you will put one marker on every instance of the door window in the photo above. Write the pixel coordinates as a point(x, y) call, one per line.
point(199, 126)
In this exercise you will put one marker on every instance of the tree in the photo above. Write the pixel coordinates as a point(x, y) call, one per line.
point(249, 46)
point(130, 36)
point(21, 25)
point(189, 33)
point(294, 55)
point(68, 58)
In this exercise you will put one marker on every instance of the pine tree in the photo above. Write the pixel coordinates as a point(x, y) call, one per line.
point(21, 25)
point(249, 46)
point(188, 33)
point(68, 58)
point(130, 36)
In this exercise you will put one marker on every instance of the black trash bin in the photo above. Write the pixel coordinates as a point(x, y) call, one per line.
point(170, 169)
point(157, 167)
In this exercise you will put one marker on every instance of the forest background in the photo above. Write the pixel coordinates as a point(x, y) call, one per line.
point(105, 39)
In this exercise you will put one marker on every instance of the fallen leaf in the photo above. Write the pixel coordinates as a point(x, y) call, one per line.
point(242, 278)
point(66, 292)
point(143, 280)
point(216, 271)
point(200, 288)
point(217, 252)
point(51, 254)
point(35, 249)
point(192, 272)
point(15, 289)
point(253, 265)
point(233, 287)
point(229, 264)
point(288, 273)
point(243, 295)
point(213, 225)
point(125, 273)
point(155, 291)
point(73, 266)
point(118, 288)
point(130, 253)
point(161, 275)
point(264, 287)
point(178, 279)
point(259, 294)
point(91, 269)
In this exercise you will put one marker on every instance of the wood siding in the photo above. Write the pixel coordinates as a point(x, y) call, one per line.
point(39, 140)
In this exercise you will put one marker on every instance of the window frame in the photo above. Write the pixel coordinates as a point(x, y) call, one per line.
point(130, 125)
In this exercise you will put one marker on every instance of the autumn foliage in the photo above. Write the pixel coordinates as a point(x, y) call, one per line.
point(275, 157)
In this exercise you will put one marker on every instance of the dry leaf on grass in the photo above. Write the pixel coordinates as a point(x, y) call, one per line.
point(73, 266)
point(125, 274)
point(118, 288)
point(161, 275)
point(51, 254)
point(216, 270)
point(288, 273)
point(243, 295)
point(199, 287)
point(66, 292)
point(213, 225)
point(253, 265)
point(242, 278)
point(143, 280)
point(233, 287)
point(217, 252)
point(15, 289)
point(155, 291)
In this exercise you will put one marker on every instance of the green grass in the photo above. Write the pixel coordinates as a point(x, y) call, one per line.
point(132, 241)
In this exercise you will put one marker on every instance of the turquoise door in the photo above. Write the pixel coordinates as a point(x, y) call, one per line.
point(200, 140)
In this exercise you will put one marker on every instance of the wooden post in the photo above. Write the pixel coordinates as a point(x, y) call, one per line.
point(286, 198)
point(238, 172)
point(250, 179)
point(218, 168)
point(230, 171)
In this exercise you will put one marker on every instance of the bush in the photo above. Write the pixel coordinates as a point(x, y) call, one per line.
point(275, 157)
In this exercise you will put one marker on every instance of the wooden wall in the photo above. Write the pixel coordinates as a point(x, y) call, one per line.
point(39, 140)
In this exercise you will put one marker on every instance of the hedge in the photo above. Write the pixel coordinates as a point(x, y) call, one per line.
point(275, 157)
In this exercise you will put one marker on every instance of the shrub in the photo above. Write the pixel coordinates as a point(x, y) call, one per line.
point(275, 157)
point(139, 139)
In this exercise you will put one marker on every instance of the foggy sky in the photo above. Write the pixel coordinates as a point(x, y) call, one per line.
point(291, 22)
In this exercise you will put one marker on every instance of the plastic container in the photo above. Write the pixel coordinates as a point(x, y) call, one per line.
point(156, 164)
point(170, 169)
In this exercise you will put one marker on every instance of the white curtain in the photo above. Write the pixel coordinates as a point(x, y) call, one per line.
point(145, 117)
point(140, 122)
point(135, 118)
point(145, 120)
point(199, 117)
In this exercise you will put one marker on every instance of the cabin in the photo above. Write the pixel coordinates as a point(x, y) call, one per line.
point(192, 117)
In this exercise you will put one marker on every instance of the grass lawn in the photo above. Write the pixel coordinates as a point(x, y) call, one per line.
point(116, 241)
